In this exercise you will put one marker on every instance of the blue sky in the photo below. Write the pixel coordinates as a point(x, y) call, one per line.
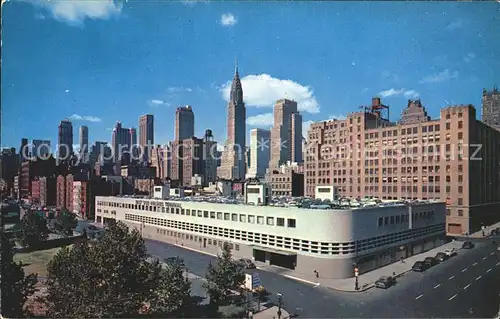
point(98, 62)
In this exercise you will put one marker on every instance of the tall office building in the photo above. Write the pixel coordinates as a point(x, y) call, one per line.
point(184, 123)
point(65, 139)
point(491, 108)
point(84, 143)
point(286, 134)
point(134, 149)
point(40, 149)
point(24, 152)
point(146, 135)
point(121, 140)
point(259, 153)
point(233, 157)
point(454, 159)
point(209, 158)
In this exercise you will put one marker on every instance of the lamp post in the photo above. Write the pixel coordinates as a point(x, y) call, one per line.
point(280, 304)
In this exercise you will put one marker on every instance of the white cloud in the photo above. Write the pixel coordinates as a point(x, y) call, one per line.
point(157, 102)
point(395, 92)
point(454, 25)
point(193, 2)
point(411, 94)
point(261, 120)
point(77, 11)
point(469, 57)
point(440, 77)
point(227, 19)
point(77, 117)
point(263, 91)
point(178, 89)
point(391, 92)
point(305, 127)
point(66, 91)
point(338, 117)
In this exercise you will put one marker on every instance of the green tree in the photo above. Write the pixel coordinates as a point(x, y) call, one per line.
point(223, 277)
point(112, 277)
point(16, 287)
point(66, 222)
point(34, 229)
point(172, 296)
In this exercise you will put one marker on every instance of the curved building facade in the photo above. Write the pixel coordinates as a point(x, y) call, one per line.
point(331, 241)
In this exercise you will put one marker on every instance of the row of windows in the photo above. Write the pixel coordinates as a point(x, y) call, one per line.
point(324, 248)
point(195, 238)
point(404, 219)
point(244, 218)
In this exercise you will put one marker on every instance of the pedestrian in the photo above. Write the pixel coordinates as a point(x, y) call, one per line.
point(394, 274)
point(402, 259)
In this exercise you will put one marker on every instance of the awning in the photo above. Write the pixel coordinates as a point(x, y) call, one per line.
point(273, 250)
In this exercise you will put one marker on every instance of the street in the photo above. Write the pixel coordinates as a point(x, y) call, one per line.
point(465, 286)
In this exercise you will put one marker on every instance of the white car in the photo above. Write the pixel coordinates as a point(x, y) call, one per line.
point(450, 252)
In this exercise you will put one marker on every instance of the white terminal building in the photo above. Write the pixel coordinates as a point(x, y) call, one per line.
point(332, 241)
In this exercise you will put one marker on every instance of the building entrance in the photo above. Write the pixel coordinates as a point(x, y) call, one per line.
point(259, 255)
point(285, 261)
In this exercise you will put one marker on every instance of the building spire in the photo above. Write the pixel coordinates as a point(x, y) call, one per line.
point(236, 68)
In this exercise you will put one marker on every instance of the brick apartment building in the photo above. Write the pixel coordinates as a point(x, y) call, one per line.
point(84, 193)
point(187, 160)
point(454, 159)
point(288, 180)
point(47, 191)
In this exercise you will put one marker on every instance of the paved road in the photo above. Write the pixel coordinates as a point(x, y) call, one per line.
point(447, 290)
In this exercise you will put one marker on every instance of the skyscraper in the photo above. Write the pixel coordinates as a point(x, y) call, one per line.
point(40, 149)
point(121, 140)
point(259, 152)
point(286, 134)
point(84, 143)
point(24, 150)
point(233, 158)
point(184, 123)
point(146, 135)
point(491, 108)
point(65, 139)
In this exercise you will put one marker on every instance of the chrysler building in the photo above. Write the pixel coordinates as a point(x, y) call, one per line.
point(233, 157)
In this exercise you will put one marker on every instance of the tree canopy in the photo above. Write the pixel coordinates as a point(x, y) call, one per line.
point(66, 222)
point(223, 277)
point(16, 287)
point(34, 229)
point(113, 277)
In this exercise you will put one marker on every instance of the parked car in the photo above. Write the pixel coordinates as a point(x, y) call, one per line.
point(440, 257)
point(468, 245)
point(419, 266)
point(450, 252)
point(430, 261)
point(246, 263)
point(385, 282)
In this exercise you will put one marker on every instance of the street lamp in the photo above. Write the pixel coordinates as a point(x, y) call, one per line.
point(280, 303)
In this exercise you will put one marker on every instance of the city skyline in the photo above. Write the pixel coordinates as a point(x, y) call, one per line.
point(337, 80)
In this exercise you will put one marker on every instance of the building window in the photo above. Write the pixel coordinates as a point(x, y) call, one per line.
point(251, 219)
point(219, 215)
point(448, 126)
point(212, 215)
point(226, 216)
point(460, 212)
point(380, 221)
point(200, 213)
point(270, 221)
point(234, 217)
point(291, 223)
point(260, 220)
point(460, 124)
point(280, 221)
point(460, 189)
point(205, 213)
point(243, 218)
point(460, 201)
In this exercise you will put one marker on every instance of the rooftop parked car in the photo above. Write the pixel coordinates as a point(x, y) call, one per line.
point(419, 266)
point(385, 282)
point(440, 257)
point(430, 261)
point(468, 245)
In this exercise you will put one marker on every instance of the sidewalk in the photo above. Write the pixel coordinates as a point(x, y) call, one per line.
point(367, 280)
point(271, 313)
point(487, 231)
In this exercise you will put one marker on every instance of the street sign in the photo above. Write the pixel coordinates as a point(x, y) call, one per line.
point(255, 280)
